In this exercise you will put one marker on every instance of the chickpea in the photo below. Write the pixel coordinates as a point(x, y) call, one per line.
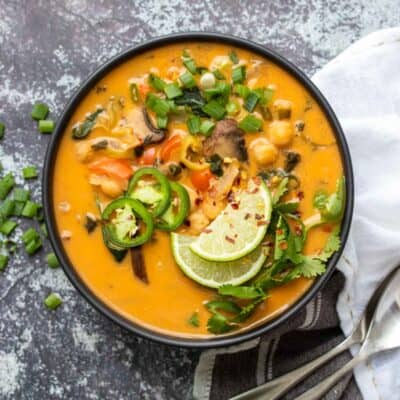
point(110, 188)
point(281, 133)
point(264, 152)
point(207, 80)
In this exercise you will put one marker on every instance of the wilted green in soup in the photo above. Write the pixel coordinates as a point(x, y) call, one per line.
point(199, 189)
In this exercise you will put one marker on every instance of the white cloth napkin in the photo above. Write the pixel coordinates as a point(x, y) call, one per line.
point(363, 86)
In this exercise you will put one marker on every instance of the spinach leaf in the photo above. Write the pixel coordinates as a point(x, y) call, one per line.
point(192, 98)
point(82, 130)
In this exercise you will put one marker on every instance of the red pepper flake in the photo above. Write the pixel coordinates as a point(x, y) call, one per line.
point(207, 230)
point(231, 197)
point(247, 216)
point(261, 223)
point(258, 216)
point(235, 206)
point(229, 239)
point(198, 201)
point(300, 195)
point(283, 245)
point(187, 222)
point(298, 231)
point(279, 231)
point(253, 191)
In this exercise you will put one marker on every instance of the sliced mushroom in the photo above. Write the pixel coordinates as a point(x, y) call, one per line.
point(227, 140)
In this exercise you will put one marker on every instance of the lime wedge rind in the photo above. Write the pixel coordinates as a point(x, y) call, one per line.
point(237, 231)
point(215, 274)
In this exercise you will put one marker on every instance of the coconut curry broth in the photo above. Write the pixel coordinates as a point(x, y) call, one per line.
point(170, 298)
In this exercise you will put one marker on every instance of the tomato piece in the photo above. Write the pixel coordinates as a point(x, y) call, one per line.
point(148, 157)
point(172, 144)
point(117, 168)
point(201, 179)
point(144, 89)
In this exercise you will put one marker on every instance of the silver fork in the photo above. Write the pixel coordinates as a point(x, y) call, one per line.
point(276, 388)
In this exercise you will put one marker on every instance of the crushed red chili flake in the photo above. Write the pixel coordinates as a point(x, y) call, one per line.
point(300, 195)
point(235, 206)
point(187, 222)
point(258, 216)
point(247, 216)
point(283, 245)
point(231, 197)
point(207, 230)
point(298, 231)
point(261, 223)
point(279, 231)
point(229, 239)
point(198, 201)
point(253, 191)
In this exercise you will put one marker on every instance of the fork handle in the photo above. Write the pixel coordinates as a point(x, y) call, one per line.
point(319, 390)
point(276, 388)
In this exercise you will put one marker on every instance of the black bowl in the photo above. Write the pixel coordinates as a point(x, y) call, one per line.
point(48, 173)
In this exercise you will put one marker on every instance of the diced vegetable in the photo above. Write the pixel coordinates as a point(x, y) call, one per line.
point(241, 90)
point(239, 74)
point(52, 301)
point(33, 246)
point(52, 260)
point(21, 194)
point(218, 74)
point(188, 62)
point(7, 208)
point(251, 101)
point(207, 80)
point(193, 124)
point(233, 56)
point(214, 110)
point(160, 106)
point(156, 83)
point(173, 143)
point(134, 92)
point(6, 184)
point(29, 235)
point(250, 123)
point(3, 261)
point(201, 179)
point(39, 111)
point(29, 172)
point(112, 167)
point(172, 90)
point(162, 121)
point(206, 128)
point(30, 209)
point(187, 80)
point(46, 126)
point(233, 107)
point(7, 227)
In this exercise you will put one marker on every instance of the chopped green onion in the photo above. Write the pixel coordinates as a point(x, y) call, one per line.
point(52, 260)
point(3, 262)
point(39, 111)
point(2, 130)
point(187, 80)
point(46, 126)
point(219, 75)
point(29, 172)
point(10, 245)
point(233, 56)
point(7, 227)
point(251, 101)
point(52, 301)
point(21, 195)
point(214, 109)
point(172, 90)
point(188, 62)
point(250, 123)
point(207, 127)
point(162, 121)
point(33, 246)
point(7, 208)
point(30, 209)
point(220, 89)
point(134, 92)
point(160, 106)
point(265, 95)
point(193, 124)
point(233, 107)
point(239, 74)
point(18, 207)
point(29, 236)
point(241, 90)
point(156, 83)
point(6, 184)
point(43, 228)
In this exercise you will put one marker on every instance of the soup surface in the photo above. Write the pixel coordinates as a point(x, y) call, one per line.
point(209, 146)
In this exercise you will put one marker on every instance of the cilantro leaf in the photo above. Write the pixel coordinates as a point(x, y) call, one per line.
point(224, 305)
point(217, 323)
point(241, 292)
point(311, 267)
point(247, 310)
point(320, 199)
point(194, 320)
point(332, 245)
point(287, 207)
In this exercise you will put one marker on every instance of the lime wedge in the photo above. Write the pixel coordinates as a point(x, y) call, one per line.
point(214, 274)
point(239, 229)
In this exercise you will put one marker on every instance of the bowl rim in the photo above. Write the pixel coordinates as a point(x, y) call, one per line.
point(47, 190)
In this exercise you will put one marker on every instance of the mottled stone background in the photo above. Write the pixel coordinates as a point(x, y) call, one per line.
point(46, 49)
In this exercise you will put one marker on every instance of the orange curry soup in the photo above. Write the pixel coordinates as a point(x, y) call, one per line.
point(167, 302)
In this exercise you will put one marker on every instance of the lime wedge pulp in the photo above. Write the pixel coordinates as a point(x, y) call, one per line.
point(215, 274)
point(239, 228)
